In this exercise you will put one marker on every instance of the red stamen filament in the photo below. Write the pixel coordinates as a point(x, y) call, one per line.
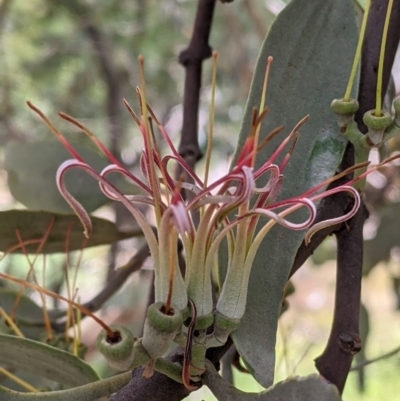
point(70, 313)
point(31, 270)
point(172, 251)
point(57, 133)
point(52, 294)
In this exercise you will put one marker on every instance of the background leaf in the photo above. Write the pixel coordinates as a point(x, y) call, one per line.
point(88, 392)
point(44, 361)
point(33, 225)
point(387, 237)
point(27, 311)
point(28, 316)
point(303, 37)
point(32, 167)
point(310, 388)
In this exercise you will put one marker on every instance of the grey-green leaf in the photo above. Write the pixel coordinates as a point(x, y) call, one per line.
point(27, 315)
point(88, 392)
point(313, 44)
point(27, 310)
point(310, 388)
point(33, 225)
point(32, 167)
point(44, 361)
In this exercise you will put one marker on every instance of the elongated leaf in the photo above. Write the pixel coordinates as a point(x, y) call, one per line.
point(310, 388)
point(313, 44)
point(28, 315)
point(32, 225)
point(32, 168)
point(27, 310)
point(87, 392)
point(44, 361)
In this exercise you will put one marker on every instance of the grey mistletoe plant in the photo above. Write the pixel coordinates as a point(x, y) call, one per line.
point(239, 223)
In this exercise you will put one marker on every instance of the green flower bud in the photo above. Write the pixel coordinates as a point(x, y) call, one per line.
point(344, 110)
point(119, 350)
point(376, 125)
point(223, 326)
point(160, 329)
point(204, 322)
point(341, 106)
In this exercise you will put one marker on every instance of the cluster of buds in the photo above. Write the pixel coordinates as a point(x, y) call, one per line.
point(381, 126)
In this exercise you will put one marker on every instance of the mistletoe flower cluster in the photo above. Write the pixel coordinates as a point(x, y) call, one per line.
point(228, 208)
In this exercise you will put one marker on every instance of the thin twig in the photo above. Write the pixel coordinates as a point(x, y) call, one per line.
point(103, 54)
point(192, 59)
point(114, 93)
point(114, 284)
point(373, 360)
point(119, 278)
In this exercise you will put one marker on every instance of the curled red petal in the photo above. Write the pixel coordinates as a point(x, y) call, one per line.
point(285, 223)
point(75, 205)
point(341, 219)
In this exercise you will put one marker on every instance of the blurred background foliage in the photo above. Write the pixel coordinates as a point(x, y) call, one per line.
point(80, 57)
